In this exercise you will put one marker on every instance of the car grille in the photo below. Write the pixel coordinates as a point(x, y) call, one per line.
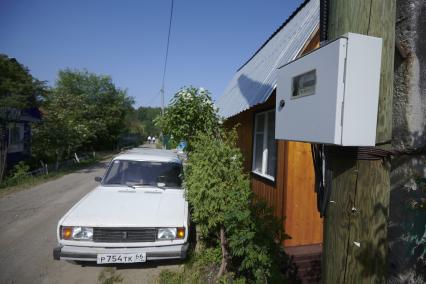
point(124, 235)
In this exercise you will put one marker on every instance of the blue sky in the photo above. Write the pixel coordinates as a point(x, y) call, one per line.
point(126, 39)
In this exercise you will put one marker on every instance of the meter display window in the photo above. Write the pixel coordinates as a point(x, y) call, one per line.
point(304, 84)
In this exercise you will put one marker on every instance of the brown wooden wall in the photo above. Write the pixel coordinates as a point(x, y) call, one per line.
point(292, 194)
point(303, 222)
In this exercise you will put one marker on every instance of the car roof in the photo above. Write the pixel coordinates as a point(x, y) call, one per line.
point(148, 154)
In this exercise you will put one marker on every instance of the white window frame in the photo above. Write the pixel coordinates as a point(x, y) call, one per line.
point(263, 173)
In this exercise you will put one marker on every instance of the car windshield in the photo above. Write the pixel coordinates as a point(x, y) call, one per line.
point(139, 173)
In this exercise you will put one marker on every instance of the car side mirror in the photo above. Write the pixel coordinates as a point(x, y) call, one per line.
point(98, 179)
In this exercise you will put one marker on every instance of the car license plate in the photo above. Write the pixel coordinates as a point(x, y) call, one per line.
point(121, 257)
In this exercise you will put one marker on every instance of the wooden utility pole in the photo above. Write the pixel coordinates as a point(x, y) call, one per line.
point(355, 226)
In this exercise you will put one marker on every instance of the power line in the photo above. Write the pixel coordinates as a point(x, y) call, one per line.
point(165, 61)
point(152, 98)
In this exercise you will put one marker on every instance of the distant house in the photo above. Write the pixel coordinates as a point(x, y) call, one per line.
point(18, 136)
point(281, 172)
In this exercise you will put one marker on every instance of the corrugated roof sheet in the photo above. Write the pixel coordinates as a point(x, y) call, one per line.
point(254, 82)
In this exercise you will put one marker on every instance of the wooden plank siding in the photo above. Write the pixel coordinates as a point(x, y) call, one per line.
point(303, 220)
point(307, 227)
point(292, 195)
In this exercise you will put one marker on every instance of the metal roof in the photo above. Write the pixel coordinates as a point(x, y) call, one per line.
point(255, 81)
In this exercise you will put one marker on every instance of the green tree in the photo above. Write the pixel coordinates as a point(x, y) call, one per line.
point(18, 90)
point(146, 116)
point(63, 129)
point(83, 111)
point(190, 111)
point(133, 124)
point(103, 105)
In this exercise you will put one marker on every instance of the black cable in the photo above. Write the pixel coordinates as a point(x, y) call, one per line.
point(318, 159)
point(370, 153)
point(167, 47)
point(323, 20)
point(323, 174)
point(322, 158)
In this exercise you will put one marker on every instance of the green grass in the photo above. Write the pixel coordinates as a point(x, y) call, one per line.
point(199, 268)
point(109, 275)
point(9, 186)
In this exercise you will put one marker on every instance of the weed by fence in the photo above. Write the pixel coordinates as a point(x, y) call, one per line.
point(47, 168)
point(22, 177)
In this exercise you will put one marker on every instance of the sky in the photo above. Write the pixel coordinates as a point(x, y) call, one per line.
point(126, 39)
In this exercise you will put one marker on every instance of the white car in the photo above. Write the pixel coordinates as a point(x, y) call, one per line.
point(137, 213)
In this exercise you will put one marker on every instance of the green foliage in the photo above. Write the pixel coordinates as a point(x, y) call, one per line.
point(220, 195)
point(84, 111)
point(214, 181)
point(146, 116)
point(110, 276)
point(63, 129)
point(167, 276)
point(19, 174)
point(18, 89)
point(100, 103)
point(139, 124)
point(11, 184)
point(199, 268)
point(190, 111)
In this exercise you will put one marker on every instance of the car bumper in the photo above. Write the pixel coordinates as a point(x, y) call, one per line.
point(90, 253)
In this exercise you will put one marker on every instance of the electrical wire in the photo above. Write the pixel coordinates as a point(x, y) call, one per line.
point(152, 98)
point(322, 177)
point(323, 20)
point(167, 56)
point(322, 157)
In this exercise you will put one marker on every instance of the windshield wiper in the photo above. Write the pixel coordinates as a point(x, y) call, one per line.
point(118, 185)
point(134, 185)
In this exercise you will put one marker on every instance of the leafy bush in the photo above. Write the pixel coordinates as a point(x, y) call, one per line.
point(19, 174)
point(223, 207)
point(190, 111)
point(239, 235)
point(200, 267)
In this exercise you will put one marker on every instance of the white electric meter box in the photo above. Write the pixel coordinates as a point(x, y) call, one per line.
point(330, 96)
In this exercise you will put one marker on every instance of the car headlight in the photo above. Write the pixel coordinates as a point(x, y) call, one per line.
point(77, 233)
point(170, 233)
point(166, 234)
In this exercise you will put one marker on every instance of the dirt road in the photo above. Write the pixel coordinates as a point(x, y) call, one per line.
point(28, 221)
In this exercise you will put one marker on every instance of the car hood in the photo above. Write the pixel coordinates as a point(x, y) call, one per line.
point(126, 207)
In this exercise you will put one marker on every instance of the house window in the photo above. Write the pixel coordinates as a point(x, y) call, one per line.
point(16, 137)
point(264, 146)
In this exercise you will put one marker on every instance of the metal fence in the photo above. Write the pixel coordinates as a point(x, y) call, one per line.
point(48, 168)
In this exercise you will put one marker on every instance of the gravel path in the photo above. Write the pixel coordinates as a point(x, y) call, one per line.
point(28, 234)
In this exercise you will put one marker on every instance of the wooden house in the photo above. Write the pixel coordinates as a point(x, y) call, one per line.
point(18, 135)
point(281, 172)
